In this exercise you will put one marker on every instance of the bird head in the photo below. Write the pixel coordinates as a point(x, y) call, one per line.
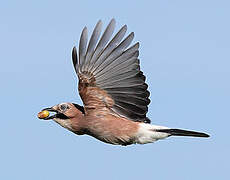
point(63, 113)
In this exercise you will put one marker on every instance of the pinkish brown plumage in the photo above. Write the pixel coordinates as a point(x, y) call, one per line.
point(113, 91)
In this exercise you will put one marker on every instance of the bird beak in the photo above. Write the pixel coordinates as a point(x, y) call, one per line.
point(50, 109)
point(45, 114)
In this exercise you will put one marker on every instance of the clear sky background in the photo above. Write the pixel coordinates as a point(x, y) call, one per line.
point(185, 54)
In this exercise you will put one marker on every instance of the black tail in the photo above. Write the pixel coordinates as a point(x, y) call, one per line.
point(180, 132)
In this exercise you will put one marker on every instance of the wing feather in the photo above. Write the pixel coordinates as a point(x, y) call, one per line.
point(109, 73)
point(102, 43)
point(92, 44)
point(110, 63)
point(110, 47)
point(82, 46)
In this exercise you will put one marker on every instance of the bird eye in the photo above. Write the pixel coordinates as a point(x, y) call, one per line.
point(63, 107)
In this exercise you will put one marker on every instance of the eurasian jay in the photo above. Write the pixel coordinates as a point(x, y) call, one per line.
point(113, 91)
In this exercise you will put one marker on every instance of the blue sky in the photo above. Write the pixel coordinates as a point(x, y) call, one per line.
point(185, 55)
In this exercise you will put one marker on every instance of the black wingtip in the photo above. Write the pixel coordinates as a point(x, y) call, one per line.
point(74, 56)
point(180, 132)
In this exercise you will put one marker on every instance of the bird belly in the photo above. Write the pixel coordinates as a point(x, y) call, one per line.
point(112, 130)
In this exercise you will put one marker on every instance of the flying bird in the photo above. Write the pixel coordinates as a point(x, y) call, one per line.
point(113, 90)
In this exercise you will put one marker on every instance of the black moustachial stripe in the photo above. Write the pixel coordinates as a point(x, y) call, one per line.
point(80, 108)
point(61, 116)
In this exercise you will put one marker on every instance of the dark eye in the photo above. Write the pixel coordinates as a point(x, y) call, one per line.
point(63, 107)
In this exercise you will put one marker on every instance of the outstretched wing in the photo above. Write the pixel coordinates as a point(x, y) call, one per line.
point(109, 73)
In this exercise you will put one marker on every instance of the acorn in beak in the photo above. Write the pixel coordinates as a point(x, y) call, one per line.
point(45, 114)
